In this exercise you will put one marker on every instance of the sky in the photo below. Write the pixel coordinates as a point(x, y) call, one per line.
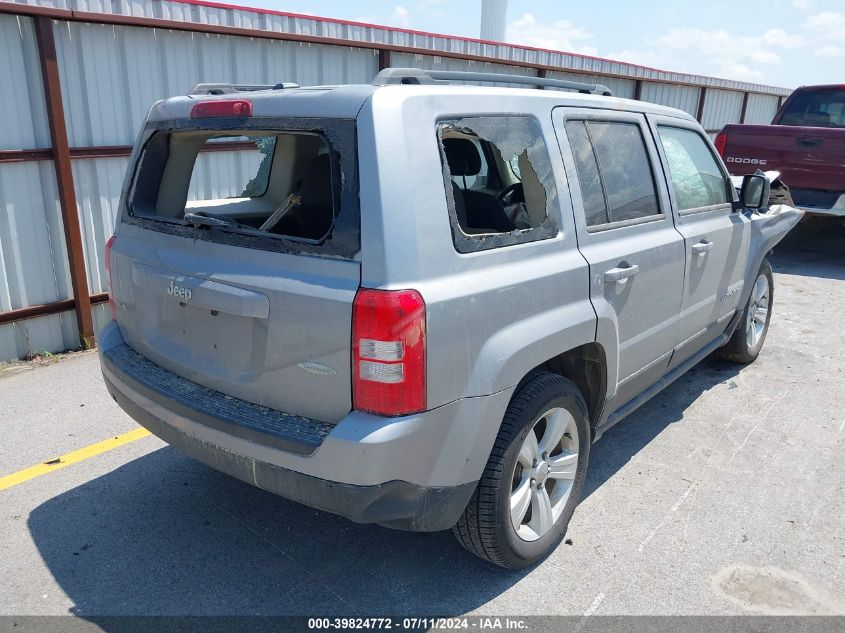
point(784, 43)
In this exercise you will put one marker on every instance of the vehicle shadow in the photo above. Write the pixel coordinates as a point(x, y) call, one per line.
point(812, 249)
point(165, 535)
point(627, 438)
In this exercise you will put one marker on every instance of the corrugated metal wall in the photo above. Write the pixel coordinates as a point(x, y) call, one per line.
point(761, 108)
point(682, 97)
point(624, 88)
point(720, 108)
point(428, 62)
point(33, 258)
point(111, 74)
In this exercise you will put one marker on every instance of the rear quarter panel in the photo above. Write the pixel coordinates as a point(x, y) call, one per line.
point(492, 315)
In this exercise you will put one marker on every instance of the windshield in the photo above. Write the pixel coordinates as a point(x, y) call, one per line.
point(816, 108)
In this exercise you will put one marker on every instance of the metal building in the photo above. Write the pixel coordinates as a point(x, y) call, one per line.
point(82, 73)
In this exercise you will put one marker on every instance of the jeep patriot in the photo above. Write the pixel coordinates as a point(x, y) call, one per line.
point(416, 303)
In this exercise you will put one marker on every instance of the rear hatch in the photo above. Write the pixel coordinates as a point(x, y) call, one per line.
point(236, 261)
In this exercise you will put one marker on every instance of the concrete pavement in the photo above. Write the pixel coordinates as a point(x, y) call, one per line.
point(723, 495)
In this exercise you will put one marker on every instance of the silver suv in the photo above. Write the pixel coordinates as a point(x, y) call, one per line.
point(417, 304)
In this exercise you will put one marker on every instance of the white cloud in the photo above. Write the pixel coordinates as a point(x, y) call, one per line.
point(716, 52)
point(778, 38)
point(829, 52)
point(804, 5)
point(827, 25)
point(559, 35)
point(400, 15)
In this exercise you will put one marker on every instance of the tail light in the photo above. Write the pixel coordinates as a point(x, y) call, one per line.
point(112, 305)
point(388, 352)
point(228, 107)
point(720, 142)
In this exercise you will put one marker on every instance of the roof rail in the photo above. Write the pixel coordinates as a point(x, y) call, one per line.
point(393, 76)
point(228, 89)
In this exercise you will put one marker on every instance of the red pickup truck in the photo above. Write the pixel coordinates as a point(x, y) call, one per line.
point(805, 143)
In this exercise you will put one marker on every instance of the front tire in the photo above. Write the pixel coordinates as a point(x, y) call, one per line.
point(533, 479)
point(747, 340)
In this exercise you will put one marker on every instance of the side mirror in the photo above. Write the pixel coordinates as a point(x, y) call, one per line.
point(755, 192)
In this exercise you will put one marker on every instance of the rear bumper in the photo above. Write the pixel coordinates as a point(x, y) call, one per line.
point(414, 472)
point(827, 203)
point(835, 212)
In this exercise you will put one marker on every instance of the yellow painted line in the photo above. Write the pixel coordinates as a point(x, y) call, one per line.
point(71, 458)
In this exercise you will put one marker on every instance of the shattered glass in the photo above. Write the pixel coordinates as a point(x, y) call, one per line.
point(521, 148)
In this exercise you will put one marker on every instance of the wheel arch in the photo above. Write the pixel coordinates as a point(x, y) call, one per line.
point(586, 366)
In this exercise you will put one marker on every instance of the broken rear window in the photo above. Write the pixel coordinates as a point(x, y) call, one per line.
point(498, 179)
point(276, 184)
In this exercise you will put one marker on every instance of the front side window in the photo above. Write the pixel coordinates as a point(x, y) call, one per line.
point(694, 173)
point(614, 171)
point(499, 181)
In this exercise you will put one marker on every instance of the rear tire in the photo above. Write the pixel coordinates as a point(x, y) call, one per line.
point(747, 340)
point(538, 478)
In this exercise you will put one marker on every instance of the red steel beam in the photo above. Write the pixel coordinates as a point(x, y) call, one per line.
point(383, 59)
point(46, 309)
point(702, 97)
point(64, 177)
point(106, 151)
point(32, 312)
point(25, 155)
point(638, 90)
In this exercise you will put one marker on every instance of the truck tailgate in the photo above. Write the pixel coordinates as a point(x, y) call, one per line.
point(808, 158)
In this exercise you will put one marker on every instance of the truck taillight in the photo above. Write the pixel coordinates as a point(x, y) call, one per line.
point(720, 142)
point(112, 305)
point(388, 352)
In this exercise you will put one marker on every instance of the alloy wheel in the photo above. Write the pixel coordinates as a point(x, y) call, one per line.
point(758, 312)
point(543, 474)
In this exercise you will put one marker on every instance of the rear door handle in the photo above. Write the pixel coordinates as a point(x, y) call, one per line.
point(702, 248)
point(620, 275)
point(807, 141)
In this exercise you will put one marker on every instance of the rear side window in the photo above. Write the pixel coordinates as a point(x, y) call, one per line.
point(266, 184)
point(499, 181)
point(614, 171)
point(816, 108)
point(695, 175)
